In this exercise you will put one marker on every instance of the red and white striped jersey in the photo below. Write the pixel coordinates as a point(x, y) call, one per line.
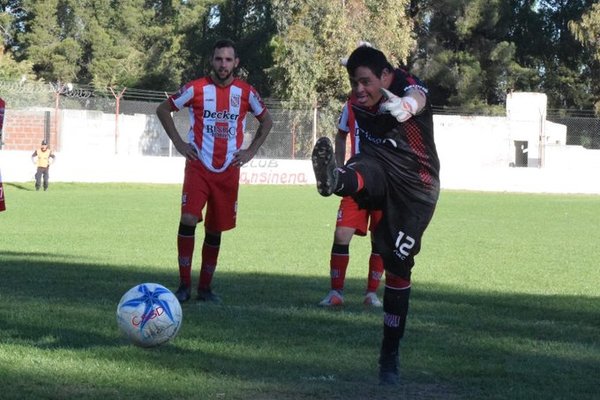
point(217, 118)
point(347, 123)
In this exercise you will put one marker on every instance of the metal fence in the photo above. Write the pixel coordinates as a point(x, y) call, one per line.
point(294, 130)
point(292, 135)
point(583, 127)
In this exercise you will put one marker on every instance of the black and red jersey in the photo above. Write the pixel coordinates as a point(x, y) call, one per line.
point(407, 149)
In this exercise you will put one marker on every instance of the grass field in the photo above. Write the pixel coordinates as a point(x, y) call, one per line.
point(505, 305)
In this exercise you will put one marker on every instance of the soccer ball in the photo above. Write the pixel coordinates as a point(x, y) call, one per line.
point(149, 315)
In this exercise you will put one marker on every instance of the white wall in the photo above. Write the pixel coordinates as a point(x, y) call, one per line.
point(475, 153)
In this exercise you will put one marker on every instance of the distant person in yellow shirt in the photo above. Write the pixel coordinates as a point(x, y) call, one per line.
point(42, 157)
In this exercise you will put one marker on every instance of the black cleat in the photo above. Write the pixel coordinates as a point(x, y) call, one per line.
point(208, 295)
point(323, 161)
point(388, 369)
point(389, 378)
point(183, 293)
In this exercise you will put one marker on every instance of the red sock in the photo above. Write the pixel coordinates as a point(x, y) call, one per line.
point(185, 251)
point(210, 253)
point(338, 264)
point(375, 272)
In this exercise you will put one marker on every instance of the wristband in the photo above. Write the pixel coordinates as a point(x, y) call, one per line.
point(412, 103)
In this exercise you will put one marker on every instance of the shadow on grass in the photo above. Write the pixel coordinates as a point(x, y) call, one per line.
point(270, 335)
point(21, 186)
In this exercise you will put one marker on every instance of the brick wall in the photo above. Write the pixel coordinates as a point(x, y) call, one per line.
point(24, 130)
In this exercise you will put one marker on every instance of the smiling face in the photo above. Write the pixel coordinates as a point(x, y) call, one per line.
point(224, 62)
point(366, 86)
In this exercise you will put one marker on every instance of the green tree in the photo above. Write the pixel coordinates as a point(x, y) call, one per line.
point(10, 69)
point(113, 56)
point(50, 42)
point(248, 23)
point(312, 37)
point(567, 76)
point(544, 43)
point(134, 43)
point(587, 32)
point(587, 29)
point(465, 54)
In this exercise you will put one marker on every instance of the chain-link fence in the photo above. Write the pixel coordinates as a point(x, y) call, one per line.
point(292, 137)
point(583, 127)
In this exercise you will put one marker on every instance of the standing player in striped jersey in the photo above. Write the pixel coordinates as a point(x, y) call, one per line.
point(217, 105)
point(396, 171)
point(351, 220)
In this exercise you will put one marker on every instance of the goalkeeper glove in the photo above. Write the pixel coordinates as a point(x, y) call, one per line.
point(402, 108)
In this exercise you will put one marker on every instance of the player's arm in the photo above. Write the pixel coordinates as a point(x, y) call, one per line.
point(163, 112)
point(33, 156)
point(342, 135)
point(265, 123)
point(340, 147)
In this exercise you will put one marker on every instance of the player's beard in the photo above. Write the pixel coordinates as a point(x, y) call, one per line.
point(220, 79)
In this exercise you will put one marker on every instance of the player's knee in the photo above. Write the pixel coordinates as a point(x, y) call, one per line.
point(186, 230)
point(188, 219)
point(212, 238)
point(343, 235)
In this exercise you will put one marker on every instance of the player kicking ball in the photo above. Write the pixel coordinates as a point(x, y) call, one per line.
point(396, 172)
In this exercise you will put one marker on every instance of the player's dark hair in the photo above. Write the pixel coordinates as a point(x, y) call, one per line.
point(369, 57)
point(222, 43)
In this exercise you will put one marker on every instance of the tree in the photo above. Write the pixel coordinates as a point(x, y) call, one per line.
point(472, 52)
point(134, 43)
point(50, 42)
point(567, 76)
point(312, 37)
point(587, 31)
point(10, 69)
point(249, 23)
point(546, 45)
point(112, 54)
point(465, 53)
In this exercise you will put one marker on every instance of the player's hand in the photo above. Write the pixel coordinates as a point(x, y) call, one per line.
point(188, 151)
point(402, 108)
point(242, 157)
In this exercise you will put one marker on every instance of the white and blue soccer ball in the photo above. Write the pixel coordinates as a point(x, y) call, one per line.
point(149, 315)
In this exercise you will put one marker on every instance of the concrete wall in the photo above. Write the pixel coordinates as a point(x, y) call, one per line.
point(476, 153)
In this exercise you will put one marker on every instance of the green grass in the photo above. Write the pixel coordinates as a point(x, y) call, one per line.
point(505, 305)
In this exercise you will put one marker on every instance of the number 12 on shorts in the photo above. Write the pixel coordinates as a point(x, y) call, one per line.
point(404, 244)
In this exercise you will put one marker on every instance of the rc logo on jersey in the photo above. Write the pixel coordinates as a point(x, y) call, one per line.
point(235, 100)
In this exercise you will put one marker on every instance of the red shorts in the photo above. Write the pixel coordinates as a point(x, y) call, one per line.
point(217, 191)
point(350, 216)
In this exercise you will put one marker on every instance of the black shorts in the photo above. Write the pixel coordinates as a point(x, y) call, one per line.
point(398, 235)
point(405, 217)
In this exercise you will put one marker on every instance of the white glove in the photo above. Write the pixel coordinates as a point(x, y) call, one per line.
point(402, 108)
